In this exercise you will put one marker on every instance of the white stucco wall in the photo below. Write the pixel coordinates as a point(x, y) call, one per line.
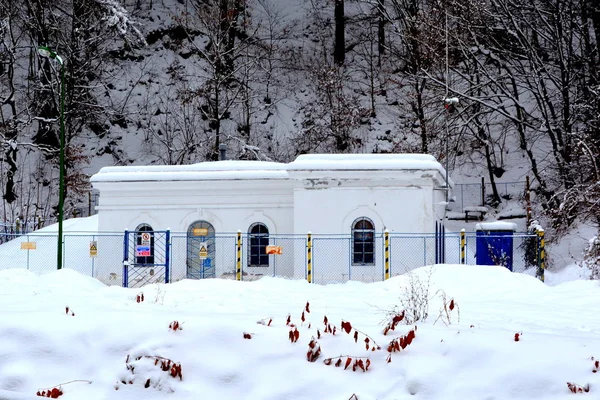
point(322, 205)
point(228, 206)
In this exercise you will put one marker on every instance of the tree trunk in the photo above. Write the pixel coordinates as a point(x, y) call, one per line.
point(339, 53)
point(595, 16)
point(380, 31)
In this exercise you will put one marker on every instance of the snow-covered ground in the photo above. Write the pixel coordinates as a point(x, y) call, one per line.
point(42, 346)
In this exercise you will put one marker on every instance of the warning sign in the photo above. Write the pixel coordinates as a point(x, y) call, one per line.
point(200, 231)
point(203, 252)
point(28, 246)
point(93, 249)
point(273, 250)
point(145, 239)
point(142, 251)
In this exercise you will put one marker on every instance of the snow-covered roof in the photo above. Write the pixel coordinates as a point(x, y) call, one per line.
point(496, 226)
point(248, 170)
point(210, 170)
point(366, 162)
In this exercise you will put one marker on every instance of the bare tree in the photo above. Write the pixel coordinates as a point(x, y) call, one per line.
point(417, 48)
point(80, 31)
point(331, 118)
point(224, 26)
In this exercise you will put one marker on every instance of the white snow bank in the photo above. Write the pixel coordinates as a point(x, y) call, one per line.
point(566, 274)
point(71, 225)
point(41, 346)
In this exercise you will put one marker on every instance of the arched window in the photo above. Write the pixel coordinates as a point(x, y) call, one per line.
point(258, 235)
point(144, 249)
point(363, 242)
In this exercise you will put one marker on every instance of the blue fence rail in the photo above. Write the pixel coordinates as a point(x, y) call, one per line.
point(335, 258)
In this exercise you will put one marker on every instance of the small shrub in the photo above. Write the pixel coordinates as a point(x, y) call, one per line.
point(400, 343)
point(175, 326)
point(591, 258)
point(362, 363)
point(314, 350)
point(370, 343)
point(449, 308)
point(294, 335)
point(575, 388)
point(414, 299)
point(530, 246)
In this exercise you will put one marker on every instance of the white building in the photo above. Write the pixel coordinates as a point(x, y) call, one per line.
point(346, 201)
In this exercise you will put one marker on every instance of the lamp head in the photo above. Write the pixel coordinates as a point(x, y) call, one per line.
point(47, 52)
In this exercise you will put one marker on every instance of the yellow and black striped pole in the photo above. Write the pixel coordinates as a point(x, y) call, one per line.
point(542, 253)
point(309, 259)
point(238, 272)
point(386, 239)
point(463, 246)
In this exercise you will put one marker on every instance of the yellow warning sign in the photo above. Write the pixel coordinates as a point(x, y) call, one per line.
point(273, 249)
point(200, 231)
point(203, 253)
point(28, 245)
point(93, 249)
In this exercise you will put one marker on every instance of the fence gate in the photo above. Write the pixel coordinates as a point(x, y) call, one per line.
point(201, 250)
point(145, 258)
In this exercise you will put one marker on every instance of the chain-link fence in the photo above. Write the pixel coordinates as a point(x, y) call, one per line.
point(10, 230)
point(518, 252)
point(288, 255)
point(91, 254)
point(219, 259)
point(35, 252)
point(339, 259)
point(472, 194)
point(82, 252)
point(333, 258)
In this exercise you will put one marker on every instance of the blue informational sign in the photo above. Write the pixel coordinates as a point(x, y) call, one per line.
point(206, 263)
point(142, 251)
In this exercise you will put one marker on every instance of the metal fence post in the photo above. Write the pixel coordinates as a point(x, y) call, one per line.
point(437, 246)
point(94, 239)
point(125, 259)
point(528, 200)
point(482, 191)
point(386, 236)
point(28, 250)
point(238, 273)
point(167, 258)
point(542, 254)
point(463, 246)
point(424, 251)
point(309, 259)
point(443, 244)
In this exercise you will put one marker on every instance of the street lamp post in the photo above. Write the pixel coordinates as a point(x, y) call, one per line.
point(49, 53)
